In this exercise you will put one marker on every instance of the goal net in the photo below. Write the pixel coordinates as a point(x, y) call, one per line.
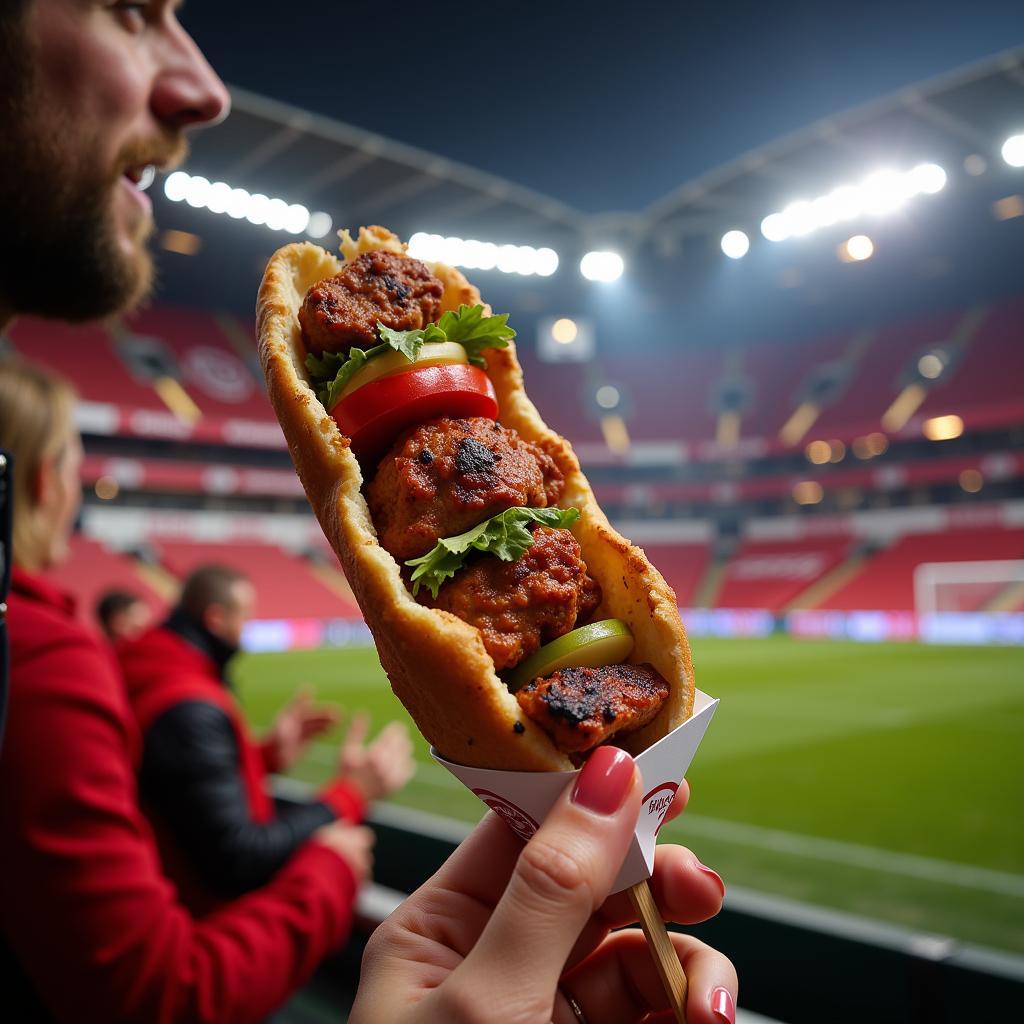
point(970, 602)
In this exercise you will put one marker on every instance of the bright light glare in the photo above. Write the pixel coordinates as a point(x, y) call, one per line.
point(176, 186)
point(197, 191)
point(879, 194)
point(564, 331)
point(602, 266)
point(607, 396)
point(774, 228)
point(1013, 150)
point(943, 428)
point(858, 248)
point(319, 224)
point(476, 255)
point(735, 244)
point(930, 365)
point(928, 179)
point(220, 197)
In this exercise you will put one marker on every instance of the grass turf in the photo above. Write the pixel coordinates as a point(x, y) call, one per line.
point(829, 770)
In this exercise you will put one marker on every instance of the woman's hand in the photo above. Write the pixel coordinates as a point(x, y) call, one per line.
point(519, 934)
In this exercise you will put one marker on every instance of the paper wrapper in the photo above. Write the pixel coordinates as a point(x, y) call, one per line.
point(523, 799)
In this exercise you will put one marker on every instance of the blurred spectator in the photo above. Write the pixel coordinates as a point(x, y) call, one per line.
point(203, 777)
point(90, 929)
point(122, 615)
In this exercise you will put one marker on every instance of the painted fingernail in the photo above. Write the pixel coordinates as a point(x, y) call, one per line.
point(606, 779)
point(722, 1005)
point(711, 873)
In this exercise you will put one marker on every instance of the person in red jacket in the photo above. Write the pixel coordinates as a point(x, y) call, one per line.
point(204, 778)
point(91, 929)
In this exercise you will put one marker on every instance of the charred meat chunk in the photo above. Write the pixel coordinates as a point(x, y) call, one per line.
point(343, 310)
point(519, 605)
point(445, 476)
point(581, 707)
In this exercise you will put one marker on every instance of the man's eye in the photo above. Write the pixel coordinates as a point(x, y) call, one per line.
point(133, 15)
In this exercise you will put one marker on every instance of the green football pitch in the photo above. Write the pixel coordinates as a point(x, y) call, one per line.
point(883, 780)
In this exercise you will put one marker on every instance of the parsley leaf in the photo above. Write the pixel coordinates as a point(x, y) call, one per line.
point(469, 327)
point(505, 535)
point(475, 332)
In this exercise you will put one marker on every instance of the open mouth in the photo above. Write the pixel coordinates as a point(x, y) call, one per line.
point(141, 176)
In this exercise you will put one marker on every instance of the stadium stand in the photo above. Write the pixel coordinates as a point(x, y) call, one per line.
point(886, 581)
point(772, 574)
point(987, 388)
point(286, 585)
point(93, 569)
point(670, 395)
point(682, 565)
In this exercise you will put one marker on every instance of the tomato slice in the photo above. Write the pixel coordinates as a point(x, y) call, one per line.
point(374, 415)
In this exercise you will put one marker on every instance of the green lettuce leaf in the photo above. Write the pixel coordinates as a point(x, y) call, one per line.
point(506, 535)
point(474, 331)
point(469, 327)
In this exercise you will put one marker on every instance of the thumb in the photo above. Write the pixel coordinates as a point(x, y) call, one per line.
point(562, 876)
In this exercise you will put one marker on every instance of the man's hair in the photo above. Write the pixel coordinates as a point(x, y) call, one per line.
point(112, 603)
point(207, 585)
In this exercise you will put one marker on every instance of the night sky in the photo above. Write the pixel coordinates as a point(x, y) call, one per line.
point(605, 106)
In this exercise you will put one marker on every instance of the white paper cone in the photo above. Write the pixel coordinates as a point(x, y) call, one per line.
point(524, 799)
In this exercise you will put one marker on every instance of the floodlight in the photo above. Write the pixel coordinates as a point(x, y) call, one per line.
point(735, 244)
point(602, 266)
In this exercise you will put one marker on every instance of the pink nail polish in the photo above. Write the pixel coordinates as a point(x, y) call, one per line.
point(605, 781)
point(722, 1005)
point(711, 873)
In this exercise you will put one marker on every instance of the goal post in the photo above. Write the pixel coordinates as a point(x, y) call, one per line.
point(966, 586)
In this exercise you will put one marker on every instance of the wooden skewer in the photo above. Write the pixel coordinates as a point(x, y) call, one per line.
point(662, 951)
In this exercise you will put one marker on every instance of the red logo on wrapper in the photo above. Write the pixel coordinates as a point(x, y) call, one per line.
point(659, 800)
point(515, 817)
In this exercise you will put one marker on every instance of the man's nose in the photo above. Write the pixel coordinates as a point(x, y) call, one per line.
point(187, 91)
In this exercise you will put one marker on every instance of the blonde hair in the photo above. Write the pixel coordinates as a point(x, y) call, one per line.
point(36, 423)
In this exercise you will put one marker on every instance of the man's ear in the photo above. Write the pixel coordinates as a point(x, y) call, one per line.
point(213, 618)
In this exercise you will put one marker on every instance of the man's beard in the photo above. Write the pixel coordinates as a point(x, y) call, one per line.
point(64, 258)
point(58, 225)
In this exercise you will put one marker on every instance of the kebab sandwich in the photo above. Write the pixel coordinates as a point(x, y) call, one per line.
point(518, 628)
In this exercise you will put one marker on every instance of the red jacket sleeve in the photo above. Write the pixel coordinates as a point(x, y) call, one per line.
point(85, 907)
point(268, 756)
point(347, 801)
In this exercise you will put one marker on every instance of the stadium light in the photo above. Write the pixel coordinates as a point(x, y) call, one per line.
point(856, 249)
point(607, 396)
point(735, 244)
point(931, 365)
point(808, 492)
point(878, 194)
point(971, 481)
point(1013, 150)
point(219, 197)
point(602, 266)
point(475, 255)
point(943, 428)
point(564, 331)
point(319, 224)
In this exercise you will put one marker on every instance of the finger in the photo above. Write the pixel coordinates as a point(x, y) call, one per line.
point(319, 720)
point(562, 876)
point(686, 892)
point(620, 982)
point(303, 697)
point(357, 730)
point(679, 802)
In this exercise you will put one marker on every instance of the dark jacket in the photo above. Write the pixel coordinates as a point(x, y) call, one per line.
point(203, 778)
point(86, 913)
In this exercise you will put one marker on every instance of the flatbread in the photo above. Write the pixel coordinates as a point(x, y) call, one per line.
point(437, 664)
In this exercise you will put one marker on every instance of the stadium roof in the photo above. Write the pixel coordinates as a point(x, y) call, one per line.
point(359, 176)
